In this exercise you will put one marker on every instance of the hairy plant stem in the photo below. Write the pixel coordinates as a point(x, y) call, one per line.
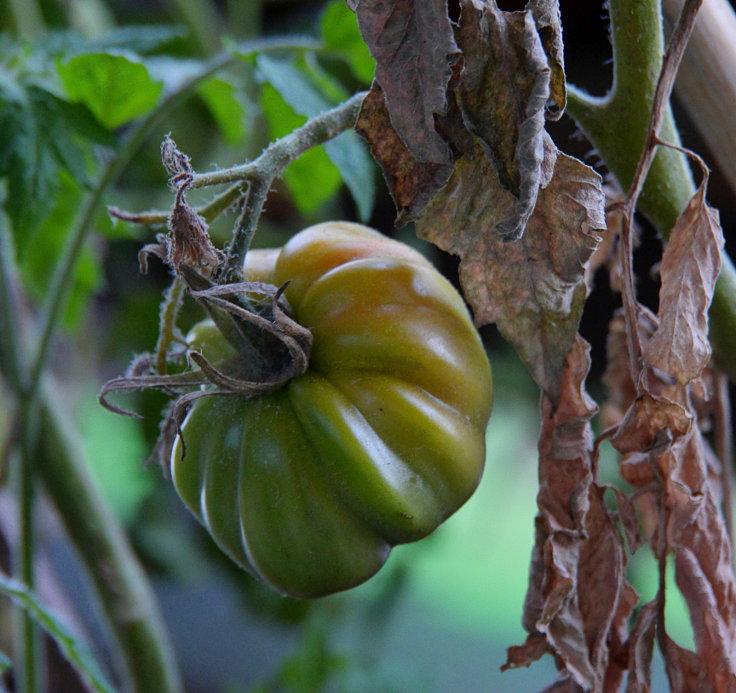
point(260, 174)
point(145, 650)
point(167, 323)
point(617, 125)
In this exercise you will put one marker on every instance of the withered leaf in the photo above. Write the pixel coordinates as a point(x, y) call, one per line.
point(412, 184)
point(533, 288)
point(685, 670)
point(546, 15)
point(617, 377)
point(578, 596)
point(697, 535)
point(414, 48)
point(503, 91)
point(641, 647)
point(651, 424)
point(523, 655)
point(690, 266)
point(629, 520)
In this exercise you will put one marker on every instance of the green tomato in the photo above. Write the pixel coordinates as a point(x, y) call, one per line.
point(383, 437)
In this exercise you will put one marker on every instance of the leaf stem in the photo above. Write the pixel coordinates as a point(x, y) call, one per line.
point(261, 173)
point(167, 322)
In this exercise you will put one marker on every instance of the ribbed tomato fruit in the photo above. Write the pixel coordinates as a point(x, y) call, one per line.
point(376, 444)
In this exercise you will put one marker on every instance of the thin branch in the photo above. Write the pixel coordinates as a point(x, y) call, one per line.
point(660, 106)
point(261, 173)
point(167, 323)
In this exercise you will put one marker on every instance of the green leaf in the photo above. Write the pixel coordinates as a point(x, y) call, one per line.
point(72, 647)
point(298, 87)
point(42, 248)
point(227, 110)
point(312, 178)
point(116, 88)
point(341, 35)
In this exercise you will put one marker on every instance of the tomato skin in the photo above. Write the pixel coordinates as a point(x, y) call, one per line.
point(309, 487)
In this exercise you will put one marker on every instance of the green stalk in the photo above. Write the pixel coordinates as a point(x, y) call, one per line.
point(119, 579)
point(617, 126)
point(28, 637)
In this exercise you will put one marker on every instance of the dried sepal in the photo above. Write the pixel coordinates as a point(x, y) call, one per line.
point(231, 376)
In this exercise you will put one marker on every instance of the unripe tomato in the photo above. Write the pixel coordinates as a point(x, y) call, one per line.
point(309, 487)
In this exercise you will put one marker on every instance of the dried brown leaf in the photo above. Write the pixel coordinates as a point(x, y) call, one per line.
point(685, 670)
point(414, 48)
point(502, 94)
point(578, 597)
point(629, 519)
point(697, 535)
point(650, 425)
point(690, 266)
point(547, 18)
point(641, 647)
point(617, 377)
point(412, 184)
point(534, 647)
point(533, 288)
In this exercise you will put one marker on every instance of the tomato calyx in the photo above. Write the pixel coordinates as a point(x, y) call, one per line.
point(269, 348)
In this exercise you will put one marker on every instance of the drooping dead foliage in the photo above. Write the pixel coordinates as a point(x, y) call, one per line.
point(456, 120)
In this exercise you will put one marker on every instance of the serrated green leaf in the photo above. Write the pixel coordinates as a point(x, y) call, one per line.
point(116, 88)
point(40, 134)
point(341, 35)
point(71, 646)
point(312, 179)
point(297, 87)
point(227, 110)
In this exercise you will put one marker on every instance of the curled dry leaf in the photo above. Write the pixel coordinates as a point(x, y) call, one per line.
point(617, 378)
point(690, 266)
point(534, 288)
point(414, 48)
point(641, 648)
point(578, 597)
point(502, 94)
point(546, 15)
point(703, 561)
point(412, 183)
point(685, 670)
